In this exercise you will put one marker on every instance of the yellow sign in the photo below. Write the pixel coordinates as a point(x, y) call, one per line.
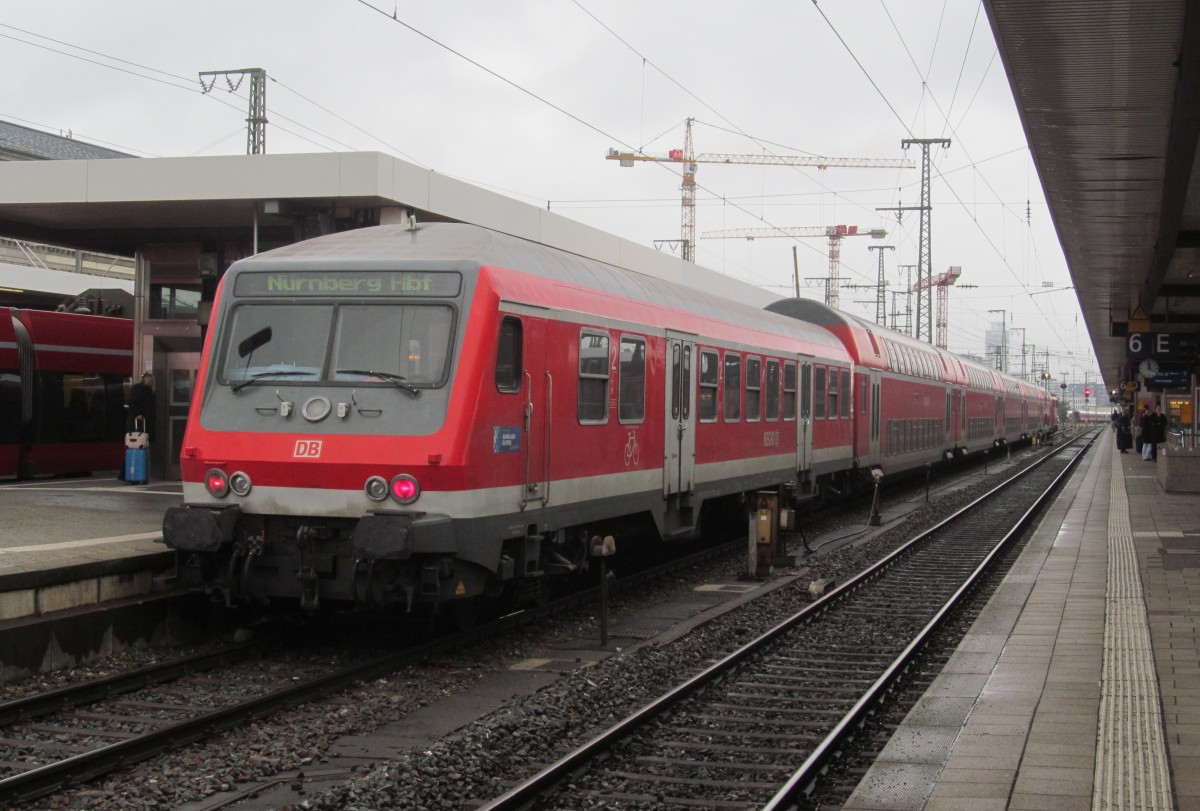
point(1139, 321)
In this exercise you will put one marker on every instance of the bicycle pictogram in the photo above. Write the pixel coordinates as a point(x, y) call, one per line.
point(633, 453)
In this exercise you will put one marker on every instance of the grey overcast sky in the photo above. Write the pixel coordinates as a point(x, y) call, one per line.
point(526, 97)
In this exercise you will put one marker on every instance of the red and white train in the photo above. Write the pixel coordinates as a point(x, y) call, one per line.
point(62, 392)
point(428, 415)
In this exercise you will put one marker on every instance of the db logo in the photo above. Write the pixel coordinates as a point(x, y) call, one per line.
point(307, 448)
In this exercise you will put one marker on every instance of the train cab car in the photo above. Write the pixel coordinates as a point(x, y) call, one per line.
point(62, 392)
point(403, 416)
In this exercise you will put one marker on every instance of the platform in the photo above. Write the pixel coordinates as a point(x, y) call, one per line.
point(1078, 687)
point(68, 543)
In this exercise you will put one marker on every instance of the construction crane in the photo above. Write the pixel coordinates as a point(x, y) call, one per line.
point(942, 282)
point(689, 159)
point(835, 234)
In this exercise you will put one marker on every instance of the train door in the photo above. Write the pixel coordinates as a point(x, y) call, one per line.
point(875, 389)
point(680, 460)
point(538, 385)
point(173, 405)
point(804, 427)
point(956, 435)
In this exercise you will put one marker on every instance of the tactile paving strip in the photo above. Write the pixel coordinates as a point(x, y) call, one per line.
point(1131, 757)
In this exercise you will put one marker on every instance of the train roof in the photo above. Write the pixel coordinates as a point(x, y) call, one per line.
point(870, 344)
point(468, 247)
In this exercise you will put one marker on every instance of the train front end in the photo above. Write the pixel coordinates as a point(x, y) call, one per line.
point(319, 464)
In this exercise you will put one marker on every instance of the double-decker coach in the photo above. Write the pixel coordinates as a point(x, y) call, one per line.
point(62, 392)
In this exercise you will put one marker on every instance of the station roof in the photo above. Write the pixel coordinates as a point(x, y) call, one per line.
point(1109, 96)
point(23, 143)
point(120, 206)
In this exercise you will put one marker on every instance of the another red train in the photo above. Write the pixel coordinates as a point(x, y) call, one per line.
point(62, 392)
point(429, 415)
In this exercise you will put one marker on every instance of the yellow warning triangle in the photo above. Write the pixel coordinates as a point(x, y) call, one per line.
point(1138, 314)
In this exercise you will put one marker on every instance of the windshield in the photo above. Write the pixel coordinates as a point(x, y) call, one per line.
point(281, 343)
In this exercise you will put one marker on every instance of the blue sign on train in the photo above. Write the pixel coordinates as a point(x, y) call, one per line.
point(506, 439)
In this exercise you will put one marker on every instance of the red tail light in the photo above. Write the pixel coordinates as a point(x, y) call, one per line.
point(217, 482)
point(405, 489)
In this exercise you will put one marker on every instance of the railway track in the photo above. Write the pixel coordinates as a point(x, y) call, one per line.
point(71, 735)
point(731, 736)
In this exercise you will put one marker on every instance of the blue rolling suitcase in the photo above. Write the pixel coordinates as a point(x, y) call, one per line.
point(137, 457)
point(137, 463)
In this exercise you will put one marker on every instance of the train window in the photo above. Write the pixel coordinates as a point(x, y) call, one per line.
point(411, 340)
point(77, 407)
point(509, 361)
point(847, 394)
point(833, 393)
point(753, 389)
point(288, 343)
point(631, 404)
point(773, 390)
point(789, 391)
point(862, 395)
point(733, 387)
point(10, 406)
point(710, 377)
point(593, 377)
point(818, 392)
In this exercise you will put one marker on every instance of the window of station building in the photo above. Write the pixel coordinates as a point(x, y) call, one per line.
point(789, 391)
point(847, 394)
point(174, 300)
point(818, 392)
point(710, 377)
point(593, 377)
point(509, 361)
point(773, 390)
point(753, 389)
point(733, 387)
point(833, 393)
point(631, 380)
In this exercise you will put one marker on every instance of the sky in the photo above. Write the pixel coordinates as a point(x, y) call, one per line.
point(526, 98)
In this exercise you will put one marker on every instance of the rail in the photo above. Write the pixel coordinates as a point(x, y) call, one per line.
point(862, 597)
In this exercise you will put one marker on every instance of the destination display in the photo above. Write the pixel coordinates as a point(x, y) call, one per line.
point(349, 283)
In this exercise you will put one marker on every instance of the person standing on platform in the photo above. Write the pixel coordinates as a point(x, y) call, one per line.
point(1124, 432)
point(142, 406)
point(1157, 430)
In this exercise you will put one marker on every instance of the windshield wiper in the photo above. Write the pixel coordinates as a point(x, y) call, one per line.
point(277, 373)
point(400, 380)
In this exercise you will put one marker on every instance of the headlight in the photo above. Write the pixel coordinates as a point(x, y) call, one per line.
point(240, 483)
point(405, 489)
point(376, 488)
point(217, 482)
